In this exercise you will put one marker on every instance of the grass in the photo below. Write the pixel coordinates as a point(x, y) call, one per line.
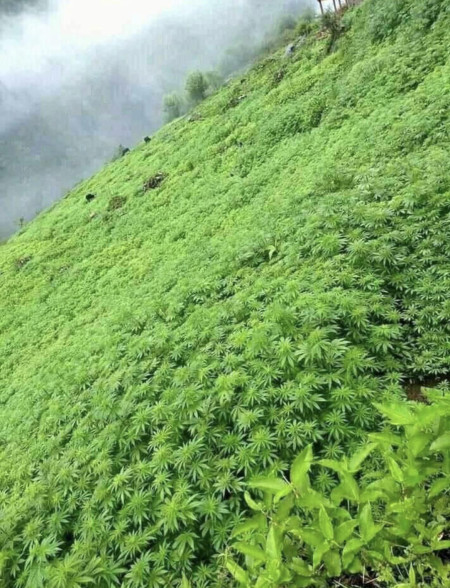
point(292, 266)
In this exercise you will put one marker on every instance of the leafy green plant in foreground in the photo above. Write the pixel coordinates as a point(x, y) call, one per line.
point(391, 524)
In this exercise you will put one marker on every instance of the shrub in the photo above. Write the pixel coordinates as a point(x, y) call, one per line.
point(172, 106)
point(286, 23)
point(427, 12)
point(332, 23)
point(386, 15)
point(196, 86)
point(214, 80)
point(392, 523)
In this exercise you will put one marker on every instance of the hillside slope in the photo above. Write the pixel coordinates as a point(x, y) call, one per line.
point(159, 346)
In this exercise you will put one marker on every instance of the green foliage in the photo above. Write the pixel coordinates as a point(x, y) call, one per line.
point(172, 106)
point(306, 23)
point(390, 524)
point(288, 267)
point(196, 87)
point(426, 13)
point(286, 23)
point(386, 16)
point(214, 81)
point(332, 23)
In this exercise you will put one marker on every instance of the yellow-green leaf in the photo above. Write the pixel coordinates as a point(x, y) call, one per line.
point(439, 486)
point(344, 531)
point(251, 503)
point(441, 443)
point(397, 413)
point(367, 528)
point(272, 485)
point(238, 573)
point(332, 561)
point(357, 459)
point(325, 524)
point(300, 469)
point(273, 543)
point(395, 470)
point(251, 550)
point(319, 552)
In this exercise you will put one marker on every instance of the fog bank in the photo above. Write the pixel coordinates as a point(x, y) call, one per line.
point(81, 77)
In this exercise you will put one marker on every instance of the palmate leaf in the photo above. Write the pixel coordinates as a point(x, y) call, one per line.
point(149, 356)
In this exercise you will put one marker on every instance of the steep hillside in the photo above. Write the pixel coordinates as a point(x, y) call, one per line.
point(243, 285)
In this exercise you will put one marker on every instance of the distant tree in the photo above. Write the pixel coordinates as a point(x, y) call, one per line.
point(172, 106)
point(286, 23)
point(196, 87)
point(214, 80)
point(331, 22)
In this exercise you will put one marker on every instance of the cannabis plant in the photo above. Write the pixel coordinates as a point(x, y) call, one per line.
point(391, 524)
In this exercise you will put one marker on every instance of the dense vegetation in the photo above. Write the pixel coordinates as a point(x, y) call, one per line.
point(199, 85)
point(246, 284)
point(391, 527)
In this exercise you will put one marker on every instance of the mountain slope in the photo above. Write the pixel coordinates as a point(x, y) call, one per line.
point(158, 346)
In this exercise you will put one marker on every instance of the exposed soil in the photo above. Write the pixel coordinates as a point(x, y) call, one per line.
point(155, 181)
point(414, 387)
point(116, 202)
point(356, 581)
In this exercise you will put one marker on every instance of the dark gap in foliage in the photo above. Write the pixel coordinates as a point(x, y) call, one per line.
point(116, 202)
point(22, 261)
point(414, 386)
point(155, 181)
point(356, 581)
